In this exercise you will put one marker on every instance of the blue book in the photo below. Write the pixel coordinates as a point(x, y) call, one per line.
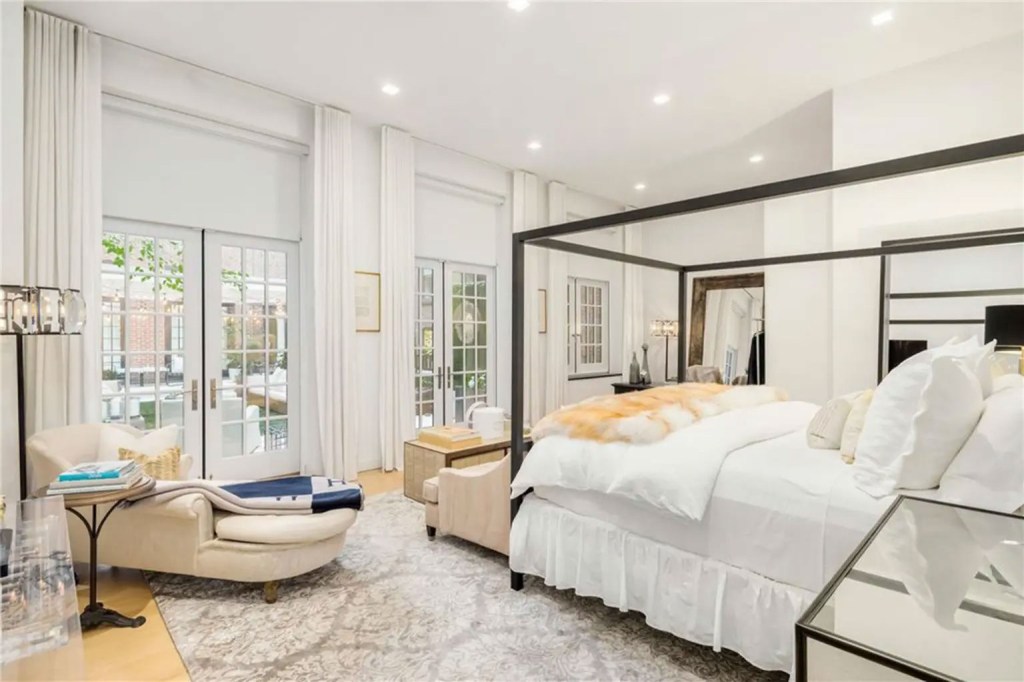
point(97, 470)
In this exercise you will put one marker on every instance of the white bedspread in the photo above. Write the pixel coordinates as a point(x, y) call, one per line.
point(677, 474)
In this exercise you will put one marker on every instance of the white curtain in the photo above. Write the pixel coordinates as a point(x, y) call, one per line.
point(63, 214)
point(333, 256)
point(557, 375)
point(634, 331)
point(525, 216)
point(397, 270)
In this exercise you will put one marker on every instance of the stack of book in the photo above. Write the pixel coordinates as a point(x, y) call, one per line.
point(96, 477)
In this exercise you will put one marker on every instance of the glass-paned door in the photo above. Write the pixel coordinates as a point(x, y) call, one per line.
point(454, 345)
point(429, 340)
point(151, 328)
point(251, 357)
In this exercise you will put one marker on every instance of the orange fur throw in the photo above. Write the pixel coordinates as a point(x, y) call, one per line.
point(648, 416)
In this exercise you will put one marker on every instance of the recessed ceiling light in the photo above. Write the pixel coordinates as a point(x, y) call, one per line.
point(882, 18)
point(639, 187)
point(662, 98)
point(534, 145)
point(757, 158)
point(390, 89)
point(518, 5)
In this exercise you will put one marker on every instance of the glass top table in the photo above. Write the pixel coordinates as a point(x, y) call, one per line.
point(934, 592)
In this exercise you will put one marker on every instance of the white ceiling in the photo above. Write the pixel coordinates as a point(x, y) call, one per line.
point(579, 77)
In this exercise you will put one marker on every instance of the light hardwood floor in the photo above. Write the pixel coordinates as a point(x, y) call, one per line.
point(147, 653)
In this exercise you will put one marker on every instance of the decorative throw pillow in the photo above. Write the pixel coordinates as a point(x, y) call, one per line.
point(887, 433)
point(989, 469)
point(854, 426)
point(950, 407)
point(162, 467)
point(113, 439)
point(825, 431)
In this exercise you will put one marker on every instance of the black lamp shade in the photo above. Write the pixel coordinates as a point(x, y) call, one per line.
point(1005, 325)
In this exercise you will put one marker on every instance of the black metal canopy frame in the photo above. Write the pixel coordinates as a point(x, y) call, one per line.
point(546, 237)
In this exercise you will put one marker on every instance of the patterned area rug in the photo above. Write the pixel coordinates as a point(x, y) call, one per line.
point(397, 606)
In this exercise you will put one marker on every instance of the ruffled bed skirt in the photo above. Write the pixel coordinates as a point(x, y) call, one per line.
point(690, 596)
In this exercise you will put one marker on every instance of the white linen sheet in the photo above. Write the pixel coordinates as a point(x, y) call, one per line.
point(675, 475)
point(779, 508)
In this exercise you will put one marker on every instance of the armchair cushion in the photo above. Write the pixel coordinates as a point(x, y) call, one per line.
point(289, 529)
point(430, 490)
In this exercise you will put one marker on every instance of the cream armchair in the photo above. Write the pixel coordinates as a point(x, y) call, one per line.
point(187, 535)
point(471, 503)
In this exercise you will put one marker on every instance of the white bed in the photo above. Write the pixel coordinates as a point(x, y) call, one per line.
point(781, 519)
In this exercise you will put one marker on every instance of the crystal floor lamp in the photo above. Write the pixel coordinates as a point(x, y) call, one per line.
point(36, 311)
point(670, 330)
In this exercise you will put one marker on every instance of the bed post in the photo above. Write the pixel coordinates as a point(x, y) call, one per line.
point(681, 340)
point(518, 373)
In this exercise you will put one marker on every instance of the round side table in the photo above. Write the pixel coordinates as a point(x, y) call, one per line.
point(94, 613)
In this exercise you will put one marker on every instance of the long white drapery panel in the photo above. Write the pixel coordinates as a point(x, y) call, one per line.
point(557, 375)
point(334, 336)
point(63, 214)
point(525, 217)
point(397, 269)
point(633, 330)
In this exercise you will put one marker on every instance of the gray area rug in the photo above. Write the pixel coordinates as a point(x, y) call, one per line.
point(397, 606)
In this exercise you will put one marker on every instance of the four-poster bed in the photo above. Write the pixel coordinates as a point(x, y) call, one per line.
point(767, 570)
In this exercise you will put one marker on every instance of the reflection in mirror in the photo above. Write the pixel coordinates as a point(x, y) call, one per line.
point(727, 330)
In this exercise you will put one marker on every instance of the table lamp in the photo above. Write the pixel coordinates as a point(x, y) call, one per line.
point(668, 329)
point(1004, 324)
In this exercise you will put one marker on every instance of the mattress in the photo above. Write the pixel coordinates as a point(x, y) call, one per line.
point(779, 509)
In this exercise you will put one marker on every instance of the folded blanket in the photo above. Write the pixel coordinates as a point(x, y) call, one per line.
point(648, 416)
point(279, 496)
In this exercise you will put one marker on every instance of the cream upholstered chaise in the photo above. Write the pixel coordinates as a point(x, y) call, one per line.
point(471, 503)
point(187, 535)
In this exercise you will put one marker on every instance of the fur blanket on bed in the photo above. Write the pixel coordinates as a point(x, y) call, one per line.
point(648, 416)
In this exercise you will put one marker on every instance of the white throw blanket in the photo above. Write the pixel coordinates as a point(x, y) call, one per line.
point(676, 474)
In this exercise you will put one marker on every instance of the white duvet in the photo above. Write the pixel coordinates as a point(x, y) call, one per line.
point(676, 474)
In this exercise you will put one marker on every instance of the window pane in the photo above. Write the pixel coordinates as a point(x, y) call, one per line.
point(231, 333)
point(255, 333)
point(140, 254)
point(113, 291)
point(231, 263)
point(255, 298)
point(171, 257)
point(172, 294)
point(277, 300)
point(254, 264)
point(277, 267)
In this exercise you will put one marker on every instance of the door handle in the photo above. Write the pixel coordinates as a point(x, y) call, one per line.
point(439, 379)
point(449, 376)
point(195, 394)
point(213, 394)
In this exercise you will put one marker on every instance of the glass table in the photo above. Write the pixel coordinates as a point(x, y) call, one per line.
point(934, 592)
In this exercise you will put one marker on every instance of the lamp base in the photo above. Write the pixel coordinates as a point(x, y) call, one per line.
point(1010, 361)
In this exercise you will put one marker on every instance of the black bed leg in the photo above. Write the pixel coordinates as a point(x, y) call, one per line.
point(431, 532)
point(517, 580)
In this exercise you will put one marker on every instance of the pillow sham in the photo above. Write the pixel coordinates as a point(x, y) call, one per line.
point(854, 426)
point(989, 469)
point(825, 432)
point(153, 443)
point(950, 407)
point(888, 427)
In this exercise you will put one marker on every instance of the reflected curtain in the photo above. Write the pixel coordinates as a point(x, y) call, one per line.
point(525, 195)
point(333, 285)
point(557, 374)
point(63, 214)
point(397, 271)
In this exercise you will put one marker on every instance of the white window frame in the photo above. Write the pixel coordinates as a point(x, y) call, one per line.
point(583, 333)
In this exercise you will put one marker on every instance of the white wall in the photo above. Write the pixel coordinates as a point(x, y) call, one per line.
point(968, 96)
point(11, 252)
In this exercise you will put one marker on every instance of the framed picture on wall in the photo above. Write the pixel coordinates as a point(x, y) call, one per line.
point(367, 301)
point(542, 311)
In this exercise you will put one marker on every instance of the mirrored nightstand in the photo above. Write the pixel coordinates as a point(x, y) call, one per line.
point(934, 592)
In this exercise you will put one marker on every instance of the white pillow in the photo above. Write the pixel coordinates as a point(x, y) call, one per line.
point(1007, 382)
point(950, 408)
point(152, 443)
point(989, 469)
point(854, 426)
point(887, 434)
point(825, 432)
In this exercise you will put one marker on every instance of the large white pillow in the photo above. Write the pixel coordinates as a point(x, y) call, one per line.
point(888, 428)
point(950, 408)
point(153, 443)
point(989, 469)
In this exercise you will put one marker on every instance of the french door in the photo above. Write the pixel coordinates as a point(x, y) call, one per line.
point(200, 329)
point(151, 329)
point(454, 347)
point(252, 359)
